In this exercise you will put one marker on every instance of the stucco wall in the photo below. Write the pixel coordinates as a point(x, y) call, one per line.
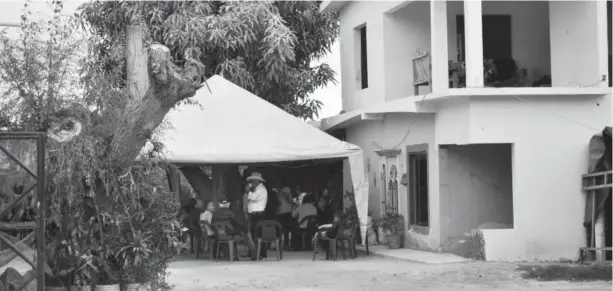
point(529, 30)
point(406, 30)
point(573, 35)
point(389, 133)
point(550, 140)
point(353, 15)
point(475, 187)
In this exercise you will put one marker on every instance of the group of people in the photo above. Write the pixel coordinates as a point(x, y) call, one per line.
point(290, 208)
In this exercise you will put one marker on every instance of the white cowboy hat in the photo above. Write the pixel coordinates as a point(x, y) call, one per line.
point(255, 176)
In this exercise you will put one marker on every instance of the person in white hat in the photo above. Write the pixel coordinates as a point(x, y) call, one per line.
point(256, 204)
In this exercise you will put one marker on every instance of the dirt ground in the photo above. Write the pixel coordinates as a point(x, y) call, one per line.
point(297, 272)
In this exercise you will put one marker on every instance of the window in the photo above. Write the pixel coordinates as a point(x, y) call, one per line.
point(363, 62)
point(418, 186)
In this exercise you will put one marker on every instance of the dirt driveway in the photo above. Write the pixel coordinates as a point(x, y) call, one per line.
point(298, 273)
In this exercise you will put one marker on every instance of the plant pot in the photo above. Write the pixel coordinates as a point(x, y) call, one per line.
point(113, 287)
point(137, 287)
point(55, 288)
point(393, 240)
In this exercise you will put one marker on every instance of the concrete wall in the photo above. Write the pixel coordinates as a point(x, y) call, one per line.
point(574, 35)
point(352, 16)
point(529, 30)
point(389, 133)
point(405, 31)
point(475, 187)
point(550, 148)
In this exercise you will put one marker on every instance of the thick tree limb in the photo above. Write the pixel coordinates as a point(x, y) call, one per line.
point(167, 86)
point(199, 180)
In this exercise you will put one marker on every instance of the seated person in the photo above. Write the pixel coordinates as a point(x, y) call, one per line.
point(327, 232)
point(206, 218)
point(305, 209)
point(225, 215)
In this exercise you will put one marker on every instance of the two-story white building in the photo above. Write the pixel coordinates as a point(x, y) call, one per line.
point(466, 148)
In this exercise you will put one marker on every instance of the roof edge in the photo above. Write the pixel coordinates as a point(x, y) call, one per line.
point(328, 6)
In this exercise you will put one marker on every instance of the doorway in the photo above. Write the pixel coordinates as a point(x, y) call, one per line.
point(497, 41)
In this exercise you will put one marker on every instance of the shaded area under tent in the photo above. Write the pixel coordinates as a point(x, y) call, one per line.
point(209, 137)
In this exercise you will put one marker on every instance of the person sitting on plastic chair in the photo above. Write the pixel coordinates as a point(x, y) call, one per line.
point(327, 232)
point(225, 214)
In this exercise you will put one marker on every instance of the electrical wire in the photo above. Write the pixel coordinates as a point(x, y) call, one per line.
point(406, 135)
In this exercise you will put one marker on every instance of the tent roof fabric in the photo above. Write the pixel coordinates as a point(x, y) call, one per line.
point(231, 125)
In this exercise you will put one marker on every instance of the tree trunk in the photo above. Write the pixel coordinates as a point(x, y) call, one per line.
point(136, 57)
point(165, 87)
point(199, 180)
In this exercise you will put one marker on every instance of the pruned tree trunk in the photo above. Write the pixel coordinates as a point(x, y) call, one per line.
point(166, 85)
point(136, 57)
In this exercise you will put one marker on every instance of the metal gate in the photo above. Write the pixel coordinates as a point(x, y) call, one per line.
point(37, 228)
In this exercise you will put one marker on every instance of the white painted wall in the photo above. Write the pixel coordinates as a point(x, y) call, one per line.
point(550, 155)
point(453, 121)
point(529, 30)
point(575, 37)
point(389, 133)
point(353, 15)
point(405, 31)
point(475, 187)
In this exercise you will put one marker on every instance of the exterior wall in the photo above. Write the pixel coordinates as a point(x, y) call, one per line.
point(352, 16)
point(453, 121)
point(475, 187)
point(529, 30)
point(550, 155)
point(389, 133)
point(405, 31)
point(575, 35)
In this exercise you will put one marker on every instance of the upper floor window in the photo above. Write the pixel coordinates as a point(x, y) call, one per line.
point(362, 60)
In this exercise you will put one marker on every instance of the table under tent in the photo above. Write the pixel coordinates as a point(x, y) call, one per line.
point(228, 127)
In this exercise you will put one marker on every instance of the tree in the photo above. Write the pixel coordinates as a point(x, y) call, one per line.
point(265, 47)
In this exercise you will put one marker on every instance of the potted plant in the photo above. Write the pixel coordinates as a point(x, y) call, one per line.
point(107, 277)
point(134, 257)
point(393, 226)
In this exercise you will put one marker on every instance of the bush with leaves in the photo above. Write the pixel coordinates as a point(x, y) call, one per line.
point(96, 212)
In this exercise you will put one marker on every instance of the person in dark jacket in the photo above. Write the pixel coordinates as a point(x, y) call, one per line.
point(232, 225)
point(225, 214)
point(329, 231)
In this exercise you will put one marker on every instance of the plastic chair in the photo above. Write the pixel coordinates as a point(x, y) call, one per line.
point(330, 252)
point(222, 236)
point(203, 239)
point(269, 231)
point(348, 235)
point(307, 232)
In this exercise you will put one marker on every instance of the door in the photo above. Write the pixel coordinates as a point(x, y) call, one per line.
point(497, 41)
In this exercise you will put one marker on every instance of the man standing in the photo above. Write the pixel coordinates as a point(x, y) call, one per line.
point(256, 205)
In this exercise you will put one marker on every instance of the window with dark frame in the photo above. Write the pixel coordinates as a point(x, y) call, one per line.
point(418, 189)
point(363, 58)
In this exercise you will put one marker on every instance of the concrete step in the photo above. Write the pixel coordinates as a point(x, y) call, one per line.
point(414, 255)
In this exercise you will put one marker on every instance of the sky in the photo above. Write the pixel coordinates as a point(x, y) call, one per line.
point(330, 95)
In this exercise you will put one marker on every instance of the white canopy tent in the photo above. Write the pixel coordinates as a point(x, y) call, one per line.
point(230, 125)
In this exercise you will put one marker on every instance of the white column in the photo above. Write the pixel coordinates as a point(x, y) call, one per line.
point(473, 30)
point(602, 46)
point(438, 46)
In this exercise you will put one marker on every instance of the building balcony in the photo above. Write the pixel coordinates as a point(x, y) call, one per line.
point(448, 47)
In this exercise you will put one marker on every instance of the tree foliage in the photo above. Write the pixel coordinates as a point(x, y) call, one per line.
point(264, 47)
point(37, 71)
point(103, 220)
